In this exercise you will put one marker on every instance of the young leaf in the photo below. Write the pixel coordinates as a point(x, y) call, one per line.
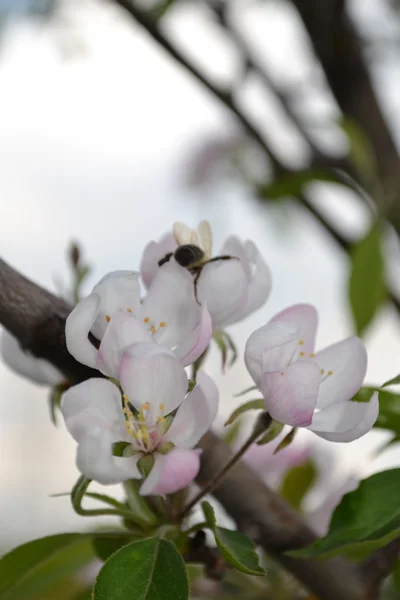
point(150, 569)
point(394, 381)
point(257, 404)
point(367, 279)
point(366, 519)
point(235, 547)
point(297, 482)
point(31, 570)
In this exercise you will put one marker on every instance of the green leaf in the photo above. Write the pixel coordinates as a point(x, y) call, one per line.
point(361, 150)
point(225, 343)
point(272, 433)
point(287, 440)
point(33, 570)
point(232, 433)
point(365, 520)
point(257, 404)
point(105, 544)
point(150, 569)
point(292, 184)
point(235, 547)
point(367, 288)
point(394, 381)
point(297, 482)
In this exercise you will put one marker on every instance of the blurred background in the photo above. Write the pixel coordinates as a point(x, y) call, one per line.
point(279, 122)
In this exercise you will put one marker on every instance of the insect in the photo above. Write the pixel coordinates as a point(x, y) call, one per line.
point(195, 255)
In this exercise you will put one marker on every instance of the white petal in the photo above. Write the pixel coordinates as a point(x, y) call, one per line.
point(118, 291)
point(305, 317)
point(197, 341)
point(204, 232)
point(195, 415)
point(95, 461)
point(222, 287)
point(122, 331)
point(152, 374)
point(36, 369)
point(348, 362)
point(77, 327)
point(346, 421)
point(291, 394)
point(233, 246)
point(94, 403)
point(171, 301)
point(270, 348)
point(154, 252)
point(171, 472)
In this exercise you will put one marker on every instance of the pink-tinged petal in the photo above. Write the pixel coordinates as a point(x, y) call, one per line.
point(171, 472)
point(95, 461)
point(35, 369)
point(118, 291)
point(189, 350)
point(171, 301)
point(122, 331)
point(77, 327)
point(93, 403)
point(305, 317)
point(348, 362)
point(291, 394)
point(272, 466)
point(153, 375)
point(346, 421)
point(222, 287)
point(195, 415)
point(154, 252)
point(233, 246)
point(270, 348)
point(260, 284)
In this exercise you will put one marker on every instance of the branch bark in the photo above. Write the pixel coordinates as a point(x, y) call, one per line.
point(37, 319)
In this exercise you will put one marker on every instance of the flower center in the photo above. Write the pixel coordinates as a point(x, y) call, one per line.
point(152, 327)
point(145, 435)
point(299, 354)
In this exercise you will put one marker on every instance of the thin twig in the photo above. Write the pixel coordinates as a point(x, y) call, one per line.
point(378, 566)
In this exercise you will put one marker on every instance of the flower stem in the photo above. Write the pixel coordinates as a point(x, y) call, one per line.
point(262, 424)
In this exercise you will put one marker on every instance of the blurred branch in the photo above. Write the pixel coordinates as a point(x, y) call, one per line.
point(152, 26)
point(378, 566)
point(37, 318)
point(339, 50)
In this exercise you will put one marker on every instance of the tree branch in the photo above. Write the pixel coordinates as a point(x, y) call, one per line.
point(339, 50)
point(37, 318)
point(378, 566)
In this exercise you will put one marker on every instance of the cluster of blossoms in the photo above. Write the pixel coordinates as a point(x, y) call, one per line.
point(142, 343)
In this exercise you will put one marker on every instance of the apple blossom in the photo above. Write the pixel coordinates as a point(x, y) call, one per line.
point(154, 385)
point(115, 314)
point(24, 363)
point(231, 289)
point(304, 389)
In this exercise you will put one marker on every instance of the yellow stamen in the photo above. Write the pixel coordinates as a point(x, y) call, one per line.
point(302, 353)
point(162, 323)
point(322, 371)
point(108, 318)
point(146, 405)
point(160, 420)
point(153, 330)
point(162, 406)
point(330, 372)
point(301, 342)
point(146, 320)
point(129, 309)
point(312, 354)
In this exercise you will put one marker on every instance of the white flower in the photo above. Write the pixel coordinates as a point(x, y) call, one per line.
point(25, 364)
point(231, 289)
point(310, 390)
point(154, 384)
point(115, 314)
